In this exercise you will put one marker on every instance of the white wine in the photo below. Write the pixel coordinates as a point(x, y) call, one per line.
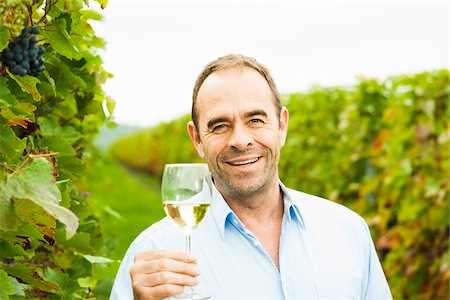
point(186, 215)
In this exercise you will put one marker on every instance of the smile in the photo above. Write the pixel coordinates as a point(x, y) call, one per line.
point(244, 162)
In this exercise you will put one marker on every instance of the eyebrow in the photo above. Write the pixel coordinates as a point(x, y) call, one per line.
point(257, 112)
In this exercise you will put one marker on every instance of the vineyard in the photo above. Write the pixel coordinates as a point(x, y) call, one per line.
point(380, 147)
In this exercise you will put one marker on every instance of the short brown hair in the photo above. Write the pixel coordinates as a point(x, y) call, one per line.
point(234, 61)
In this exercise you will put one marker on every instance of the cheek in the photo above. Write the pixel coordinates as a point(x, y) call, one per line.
point(212, 147)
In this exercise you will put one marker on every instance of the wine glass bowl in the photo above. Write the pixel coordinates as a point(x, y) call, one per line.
point(186, 194)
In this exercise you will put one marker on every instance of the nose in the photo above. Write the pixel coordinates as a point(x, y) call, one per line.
point(240, 137)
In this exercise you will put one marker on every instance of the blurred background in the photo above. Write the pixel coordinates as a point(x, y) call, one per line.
point(367, 87)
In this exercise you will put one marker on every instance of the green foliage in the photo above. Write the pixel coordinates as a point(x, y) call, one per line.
point(151, 149)
point(380, 147)
point(50, 238)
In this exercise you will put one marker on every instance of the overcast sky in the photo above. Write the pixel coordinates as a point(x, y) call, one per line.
point(155, 49)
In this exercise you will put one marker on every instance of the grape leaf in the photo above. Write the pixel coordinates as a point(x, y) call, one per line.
point(4, 37)
point(36, 183)
point(97, 259)
point(73, 5)
point(67, 285)
point(51, 81)
point(102, 3)
point(35, 214)
point(5, 94)
point(19, 288)
point(27, 84)
point(50, 127)
point(11, 146)
point(29, 273)
point(6, 284)
point(60, 40)
point(8, 219)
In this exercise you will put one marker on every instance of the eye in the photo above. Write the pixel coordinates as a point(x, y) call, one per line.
point(256, 121)
point(219, 128)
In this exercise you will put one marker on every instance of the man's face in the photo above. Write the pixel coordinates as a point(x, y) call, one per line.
point(239, 134)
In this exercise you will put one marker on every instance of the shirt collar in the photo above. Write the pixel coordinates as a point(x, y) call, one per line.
point(221, 211)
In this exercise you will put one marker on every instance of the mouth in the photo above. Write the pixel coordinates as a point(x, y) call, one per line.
point(246, 162)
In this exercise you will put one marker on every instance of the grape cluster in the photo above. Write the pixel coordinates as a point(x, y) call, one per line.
point(23, 56)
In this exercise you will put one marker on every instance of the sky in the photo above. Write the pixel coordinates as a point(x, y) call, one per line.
point(156, 49)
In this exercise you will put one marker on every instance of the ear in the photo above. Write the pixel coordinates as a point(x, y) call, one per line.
point(195, 138)
point(284, 120)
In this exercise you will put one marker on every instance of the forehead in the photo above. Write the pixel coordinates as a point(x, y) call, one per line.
point(234, 89)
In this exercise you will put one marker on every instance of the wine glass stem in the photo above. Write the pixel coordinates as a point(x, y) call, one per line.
point(188, 290)
point(187, 236)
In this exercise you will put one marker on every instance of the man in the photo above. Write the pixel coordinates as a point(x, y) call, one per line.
point(260, 240)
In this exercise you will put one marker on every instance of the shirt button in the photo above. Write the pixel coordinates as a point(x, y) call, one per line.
point(235, 221)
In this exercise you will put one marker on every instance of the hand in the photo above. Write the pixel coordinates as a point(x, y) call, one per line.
point(158, 274)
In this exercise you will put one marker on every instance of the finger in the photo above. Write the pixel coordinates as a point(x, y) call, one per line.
point(158, 292)
point(162, 278)
point(172, 254)
point(164, 265)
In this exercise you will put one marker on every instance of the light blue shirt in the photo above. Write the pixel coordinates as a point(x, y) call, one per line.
point(325, 252)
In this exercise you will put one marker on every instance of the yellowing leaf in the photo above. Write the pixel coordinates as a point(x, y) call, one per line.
point(36, 183)
point(27, 84)
point(4, 37)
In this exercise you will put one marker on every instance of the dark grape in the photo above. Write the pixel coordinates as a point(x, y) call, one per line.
point(17, 49)
point(9, 55)
point(18, 57)
point(25, 65)
point(23, 56)
point(33, 40)
point(26, 31)
point(35, 30)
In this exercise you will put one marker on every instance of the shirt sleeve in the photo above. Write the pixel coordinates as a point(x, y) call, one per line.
point(122, 288)
point(376, 287)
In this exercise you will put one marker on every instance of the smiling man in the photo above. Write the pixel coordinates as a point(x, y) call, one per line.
point(260, 240)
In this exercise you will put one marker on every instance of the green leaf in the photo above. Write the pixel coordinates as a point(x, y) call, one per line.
point(66, 284)
point(110, 104)
point(87, 282)
point(4, 37)
point(91, 15)
point(36, 183)
point(51, 81)
point(29, 273)
point(11, 147)
point(102, 3)
point(19, 288)
point(97, 259)
point(27, 84)
point(73, 5)
point(50, 127)
point(6, 284)
point(8, 219)
point(5, 94)
point(58, 37)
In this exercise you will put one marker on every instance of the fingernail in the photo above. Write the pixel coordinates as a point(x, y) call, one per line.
point(193, 280)
point(190, 257)
point(196, 270)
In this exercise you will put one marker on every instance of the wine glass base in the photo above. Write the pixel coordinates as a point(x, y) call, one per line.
point(190, 297)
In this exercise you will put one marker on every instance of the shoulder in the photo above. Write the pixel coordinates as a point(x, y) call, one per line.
point(315, 208)
point(152, 235)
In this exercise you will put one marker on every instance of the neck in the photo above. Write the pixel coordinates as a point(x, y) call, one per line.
point(265, 206)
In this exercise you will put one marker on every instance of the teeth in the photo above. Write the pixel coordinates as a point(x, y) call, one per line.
point(240, 163)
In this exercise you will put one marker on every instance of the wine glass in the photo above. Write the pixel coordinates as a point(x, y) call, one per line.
point(186, 194)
